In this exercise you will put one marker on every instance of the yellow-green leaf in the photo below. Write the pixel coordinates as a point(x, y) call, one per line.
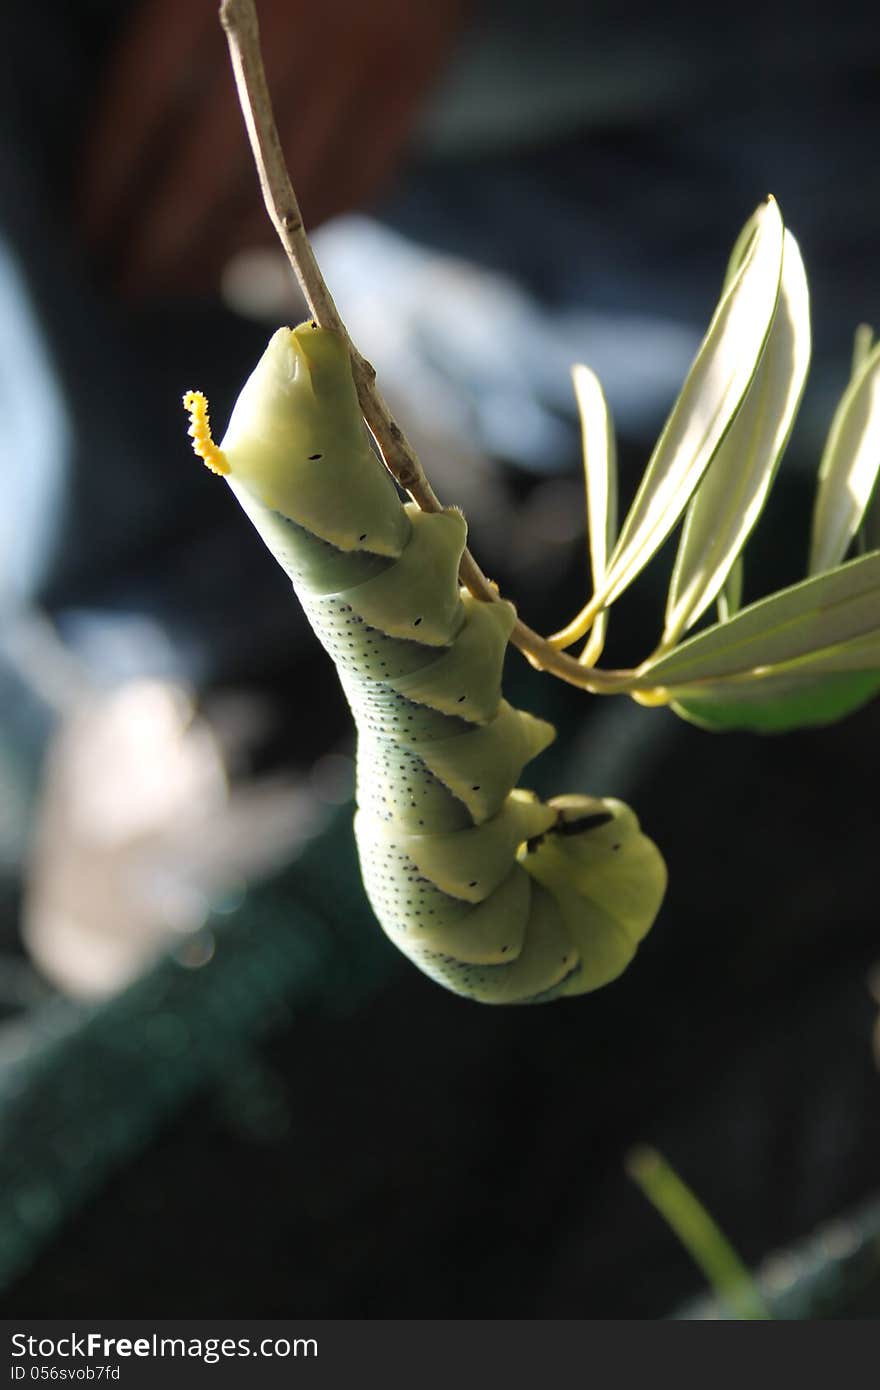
point(731, 591)
point(870, 528)
point(778, 702)
point(825, 611)
point(698, 1232)
point(711, 395)
point(726, 505)
point(600, 474)
point(849, 467)
point(868, 537)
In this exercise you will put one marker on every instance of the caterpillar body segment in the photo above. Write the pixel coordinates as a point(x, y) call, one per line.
point(493, 893)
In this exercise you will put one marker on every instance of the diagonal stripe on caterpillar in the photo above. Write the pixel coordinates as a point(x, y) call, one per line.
point(493, 893)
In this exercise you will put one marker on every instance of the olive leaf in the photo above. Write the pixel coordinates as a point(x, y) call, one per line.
point(778, 703)
point(712, 393)
point(869, 531)
point(807, 655)
point(731, 496)
point(868, 534)
point(863, 341)
point(849, 467)
point(705, 409)
point(730, 594)
point(741, 246)
point(600, 474)
point(810, 619)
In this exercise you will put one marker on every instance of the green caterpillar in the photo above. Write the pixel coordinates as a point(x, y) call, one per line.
point(493, 893)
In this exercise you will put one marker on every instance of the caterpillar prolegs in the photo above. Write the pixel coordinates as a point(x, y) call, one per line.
point(493, 893)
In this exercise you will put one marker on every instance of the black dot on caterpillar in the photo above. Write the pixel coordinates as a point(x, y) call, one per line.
point(583, 823)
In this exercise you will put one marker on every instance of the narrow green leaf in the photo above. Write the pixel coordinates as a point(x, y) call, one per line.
point(778, 703)
point(863, 341)
point(729, 499)
point(600, 473)
point(869, 532)
point(814, 689)
point(870, 528)
point(698, 1232)
point(731, 592)
point(856, 654)
point(849, 467)
point(704, 411)
point(822, 612)
point(730, 595)
point(741, 246)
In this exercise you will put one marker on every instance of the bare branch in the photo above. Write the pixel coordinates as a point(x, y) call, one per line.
point(239, 20)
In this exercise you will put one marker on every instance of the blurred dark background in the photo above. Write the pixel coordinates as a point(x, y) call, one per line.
point(221, 1091)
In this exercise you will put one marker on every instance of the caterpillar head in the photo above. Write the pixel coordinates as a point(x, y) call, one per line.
point(297, 445)
point(302, 380)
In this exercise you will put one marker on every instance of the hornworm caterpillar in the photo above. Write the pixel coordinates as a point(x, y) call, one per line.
point(493, 893)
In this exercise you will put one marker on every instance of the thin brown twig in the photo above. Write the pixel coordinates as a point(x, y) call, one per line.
point(239, 21)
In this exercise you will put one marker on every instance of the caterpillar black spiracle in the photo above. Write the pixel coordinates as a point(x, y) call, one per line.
point(495, 894)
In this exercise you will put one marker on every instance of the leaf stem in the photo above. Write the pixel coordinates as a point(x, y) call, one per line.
point(239, 21)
